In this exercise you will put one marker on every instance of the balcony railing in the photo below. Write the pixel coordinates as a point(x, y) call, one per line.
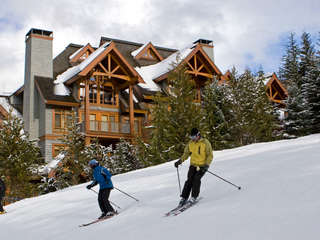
point(109, 126)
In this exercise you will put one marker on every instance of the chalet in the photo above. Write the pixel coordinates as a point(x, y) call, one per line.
point(108, 88)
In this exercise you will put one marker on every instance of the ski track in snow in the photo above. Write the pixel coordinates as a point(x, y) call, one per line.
point(279, 200)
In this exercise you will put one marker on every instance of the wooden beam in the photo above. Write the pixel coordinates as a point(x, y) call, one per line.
point(131, 109)
point(115, 69)
point(86, 106)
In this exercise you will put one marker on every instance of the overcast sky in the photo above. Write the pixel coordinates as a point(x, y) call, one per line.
point(245, 33)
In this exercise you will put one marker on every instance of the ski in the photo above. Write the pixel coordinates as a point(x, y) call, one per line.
point(97, 220)
point(186, 206)
point(173, 210)
point(177, 210)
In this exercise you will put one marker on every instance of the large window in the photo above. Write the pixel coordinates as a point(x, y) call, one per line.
point(62, 119)
point(103, 94)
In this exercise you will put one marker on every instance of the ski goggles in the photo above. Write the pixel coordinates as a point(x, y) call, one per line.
point(194, 137)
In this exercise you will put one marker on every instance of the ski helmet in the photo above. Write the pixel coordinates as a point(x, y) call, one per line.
point(93, 163)
point(194, 133)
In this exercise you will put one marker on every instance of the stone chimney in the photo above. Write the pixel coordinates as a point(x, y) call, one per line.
point(207, 46)
point(38, 62)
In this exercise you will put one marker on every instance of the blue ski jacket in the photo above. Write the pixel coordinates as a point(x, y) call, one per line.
point(102, 177)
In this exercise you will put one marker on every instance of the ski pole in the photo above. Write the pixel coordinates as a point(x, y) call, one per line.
point(224, 180)
point(179, 180)
point(109, 200)
point(127, 194)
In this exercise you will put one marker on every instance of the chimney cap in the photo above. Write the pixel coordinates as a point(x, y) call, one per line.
point(203, 41)
point(39, 32)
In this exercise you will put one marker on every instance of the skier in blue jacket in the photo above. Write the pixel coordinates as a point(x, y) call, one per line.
point(102, 177)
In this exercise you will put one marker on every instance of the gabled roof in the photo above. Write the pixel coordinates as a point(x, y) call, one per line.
point(273, 79)
point(82, 69)
point(157, 72)
point(6, 107)
point(79, 54)
point(147, 51)
point(126, 48)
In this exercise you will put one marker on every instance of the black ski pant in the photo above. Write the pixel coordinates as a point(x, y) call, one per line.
point(193, 183)
point(1, 207)
point(103, 199)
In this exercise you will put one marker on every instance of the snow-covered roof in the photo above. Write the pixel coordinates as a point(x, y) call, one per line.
point(5, 94)
point(134, 97)
point(75, 53)
point(53, 164)
point(149, 73)
point(7, 106)
point(267, 77)
point(137, 51)
point(60, 88)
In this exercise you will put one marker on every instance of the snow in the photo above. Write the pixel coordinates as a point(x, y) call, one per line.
point(279, 200)
point(6, 105)
point(137, 51)
point(148, 73)
point(52, 164)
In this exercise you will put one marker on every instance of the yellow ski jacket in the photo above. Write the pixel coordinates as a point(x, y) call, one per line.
point(200, 151)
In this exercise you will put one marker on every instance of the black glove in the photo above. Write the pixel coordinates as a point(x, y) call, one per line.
point(177, 163)
point(204, 168)
point(89, 186)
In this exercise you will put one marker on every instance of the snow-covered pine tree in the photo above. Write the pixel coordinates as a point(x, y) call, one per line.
point(289, 68)
point(124, 158)
point(215, 108)
point(310, 89)
point(252, 113)
point(290, 74)
point(99, 152)
point(19, 157)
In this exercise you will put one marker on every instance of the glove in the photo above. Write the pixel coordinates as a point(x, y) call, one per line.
point(177, 163)
point(89, 186)
point(204, 168)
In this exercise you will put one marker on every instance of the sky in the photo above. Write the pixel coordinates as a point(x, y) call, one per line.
point(246, 33)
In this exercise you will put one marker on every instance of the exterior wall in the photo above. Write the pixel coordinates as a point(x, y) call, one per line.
point(38, 61)
point(46, 149)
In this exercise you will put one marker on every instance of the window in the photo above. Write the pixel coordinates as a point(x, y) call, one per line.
point(82, 91)
point(107, 95)
point(62, 119)
point(104, 123)
point(98, 94)
point(93, 94)
point(93, 122)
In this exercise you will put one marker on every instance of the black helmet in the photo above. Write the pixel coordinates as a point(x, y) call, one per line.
point(194, 132)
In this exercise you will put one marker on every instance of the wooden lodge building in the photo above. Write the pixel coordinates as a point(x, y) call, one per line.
point(108, 88)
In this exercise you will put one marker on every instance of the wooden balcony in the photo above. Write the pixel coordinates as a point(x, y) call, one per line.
point(111, 129)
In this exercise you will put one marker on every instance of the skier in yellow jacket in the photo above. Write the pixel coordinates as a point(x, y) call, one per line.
point(201, 156)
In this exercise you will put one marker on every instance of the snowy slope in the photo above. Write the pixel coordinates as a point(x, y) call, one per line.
point(279, 200)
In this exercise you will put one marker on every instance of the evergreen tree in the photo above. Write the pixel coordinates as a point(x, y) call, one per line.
point(124, 158)
point(174, 115)
point(19, 157)
point(310, 91)
point(215, 108)
point(72, 168)
point(252, 119)
point(307, 55)
point(290, 73)
point(289, 69)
